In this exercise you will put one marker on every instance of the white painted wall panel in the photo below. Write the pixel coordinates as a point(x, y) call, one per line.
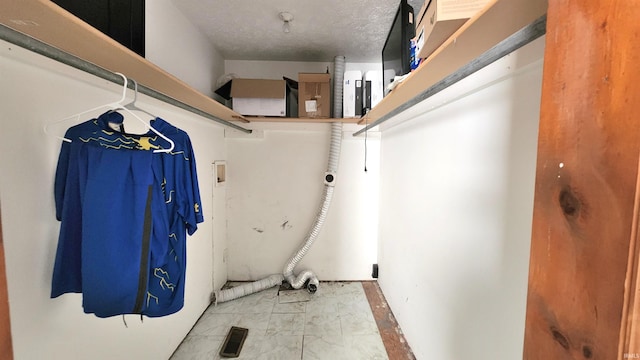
point(456, 202)
point(35, 90)
point(177, 46)
point(274, 189)
point(255, 69)
point(276, 178)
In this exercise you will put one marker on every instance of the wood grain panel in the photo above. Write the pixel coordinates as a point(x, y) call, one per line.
point(390, 332)
point(586, 180)
point(6, 351)
point(629, 343)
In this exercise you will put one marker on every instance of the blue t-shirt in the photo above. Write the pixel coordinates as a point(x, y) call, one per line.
point(124, 215)
point(178, 179)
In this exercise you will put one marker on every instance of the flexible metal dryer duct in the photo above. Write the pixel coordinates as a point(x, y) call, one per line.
point(338, 81)
point(248, 288)
point(329, 180)
point(298, 282)
point(334, 156)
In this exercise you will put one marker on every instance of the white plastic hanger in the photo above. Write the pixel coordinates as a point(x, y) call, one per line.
point(114, 106)
point(77, 116)
point(132, 105)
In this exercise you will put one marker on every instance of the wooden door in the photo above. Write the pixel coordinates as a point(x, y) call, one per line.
point(6, 351)
point(586, 207)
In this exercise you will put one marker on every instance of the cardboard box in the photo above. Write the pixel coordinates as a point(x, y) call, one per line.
point(256, 97)
point(314, 95)
point(439, 19)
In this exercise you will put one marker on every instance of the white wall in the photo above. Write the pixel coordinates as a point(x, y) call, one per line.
point(177, 46)
point(173, 43)
point(276, 178)
point(274, 190)
point(34, 91)
point(254, 69)
point(456, 201)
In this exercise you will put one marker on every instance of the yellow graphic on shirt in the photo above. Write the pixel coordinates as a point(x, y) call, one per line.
point(123, 141)
point(164, 277)
point(196, 207)
point(179, 153)
point(164, 284)
point(145, 144)
point(102, 139)
point(149, 296)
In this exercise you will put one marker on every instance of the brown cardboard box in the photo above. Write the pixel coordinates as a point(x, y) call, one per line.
point(259, 97)
point(314, 95)
point(439, 19)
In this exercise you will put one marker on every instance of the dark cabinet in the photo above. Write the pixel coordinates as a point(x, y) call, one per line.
point(122, 20)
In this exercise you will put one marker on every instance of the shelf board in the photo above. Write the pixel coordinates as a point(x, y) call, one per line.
point(497, 21)
point(47, 22)
point(300, 120)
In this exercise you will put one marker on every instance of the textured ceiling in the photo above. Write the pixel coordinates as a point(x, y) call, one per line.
point(320, 30)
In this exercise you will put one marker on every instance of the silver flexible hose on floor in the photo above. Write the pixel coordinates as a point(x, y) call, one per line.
point(248, 288)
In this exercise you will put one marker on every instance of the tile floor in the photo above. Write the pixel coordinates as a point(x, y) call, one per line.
point(335, 323)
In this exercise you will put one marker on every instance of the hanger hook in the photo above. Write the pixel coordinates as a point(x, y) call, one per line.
point(135, 88)
point(124, 86)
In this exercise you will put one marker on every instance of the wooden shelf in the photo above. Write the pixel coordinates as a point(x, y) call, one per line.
point(497, 21)
point(301, 120)
point(54, 26)
point(47, 22)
